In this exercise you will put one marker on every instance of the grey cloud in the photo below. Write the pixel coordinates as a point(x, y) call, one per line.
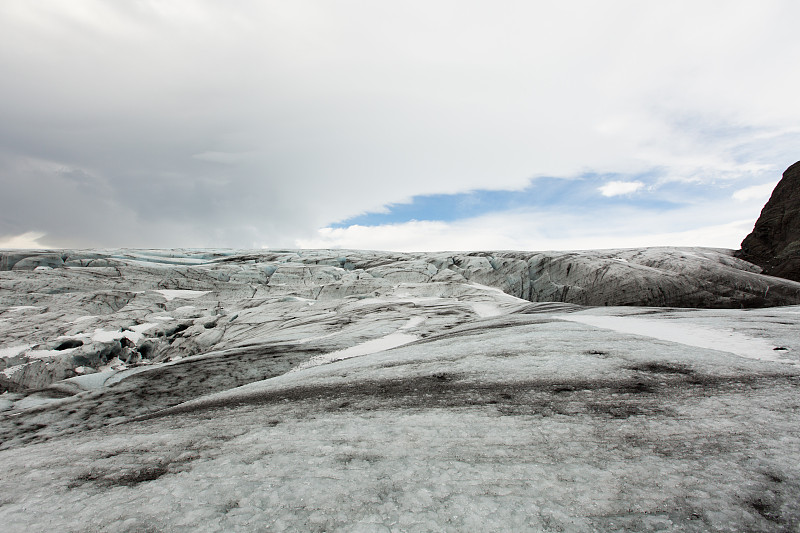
point(207, 124)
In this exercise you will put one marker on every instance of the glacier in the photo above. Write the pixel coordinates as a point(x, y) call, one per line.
point(346, 390)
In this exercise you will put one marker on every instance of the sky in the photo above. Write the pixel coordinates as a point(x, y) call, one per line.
point(408, 126)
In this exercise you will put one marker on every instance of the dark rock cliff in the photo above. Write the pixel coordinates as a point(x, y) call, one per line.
point(774, 243)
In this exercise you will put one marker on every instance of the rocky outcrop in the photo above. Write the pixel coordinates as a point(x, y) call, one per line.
point(774, 244)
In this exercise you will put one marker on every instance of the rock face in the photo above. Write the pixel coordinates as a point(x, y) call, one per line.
point(774, 244)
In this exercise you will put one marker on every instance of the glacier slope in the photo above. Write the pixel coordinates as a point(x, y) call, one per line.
point(523, 421)
point(75, 311)
point(363, 391)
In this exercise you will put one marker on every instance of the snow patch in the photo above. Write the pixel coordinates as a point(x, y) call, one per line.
point(499, 292)
point(393, 340)
point(485, 310)
point(46, 354)
point(109, 376)
point(413, 322)
point(307, 301)
point(141, 328)
point(91, 381)
point(186, 294)
point(491, 309)
point(688, 334)
point(12, 351)
point(10, 371)
point(101, 335)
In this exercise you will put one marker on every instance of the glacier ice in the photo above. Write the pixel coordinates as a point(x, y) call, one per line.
point(371, 391)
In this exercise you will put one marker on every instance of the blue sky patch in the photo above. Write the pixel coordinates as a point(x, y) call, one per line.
point(542, 193)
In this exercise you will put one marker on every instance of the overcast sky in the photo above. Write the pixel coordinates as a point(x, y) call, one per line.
point(413, 125)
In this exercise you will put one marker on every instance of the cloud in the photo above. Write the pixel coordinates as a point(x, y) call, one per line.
point(199, 123)
point(602, 226)
point(617, 188)
point(225, 158)
point(29, 241)
point(483, 234)
point(756, 192)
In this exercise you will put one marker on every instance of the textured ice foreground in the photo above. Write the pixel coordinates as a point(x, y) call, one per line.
point(306, 404)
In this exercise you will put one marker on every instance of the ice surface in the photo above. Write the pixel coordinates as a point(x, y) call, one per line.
point(101, 335)
point(34, 401)
point(84, 318)
point(11, 370)
point(141, 328)
point(447, 404)
point(691, 335)
point(171, 294)
point(498, 294)
point(96, 380)
point(413, 322)
point(45, 354)
point(521, 422)
point(485, 310)
point(108, 377)
point(114, 364)
point(393, 340)
point(11, 351)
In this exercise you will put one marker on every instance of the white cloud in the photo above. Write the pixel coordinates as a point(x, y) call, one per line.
point(482, 234)
point(617, 188)
point(228, 124)
point(28, 241)
point(760, 193)
point(552, 229)
point(225, 158)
